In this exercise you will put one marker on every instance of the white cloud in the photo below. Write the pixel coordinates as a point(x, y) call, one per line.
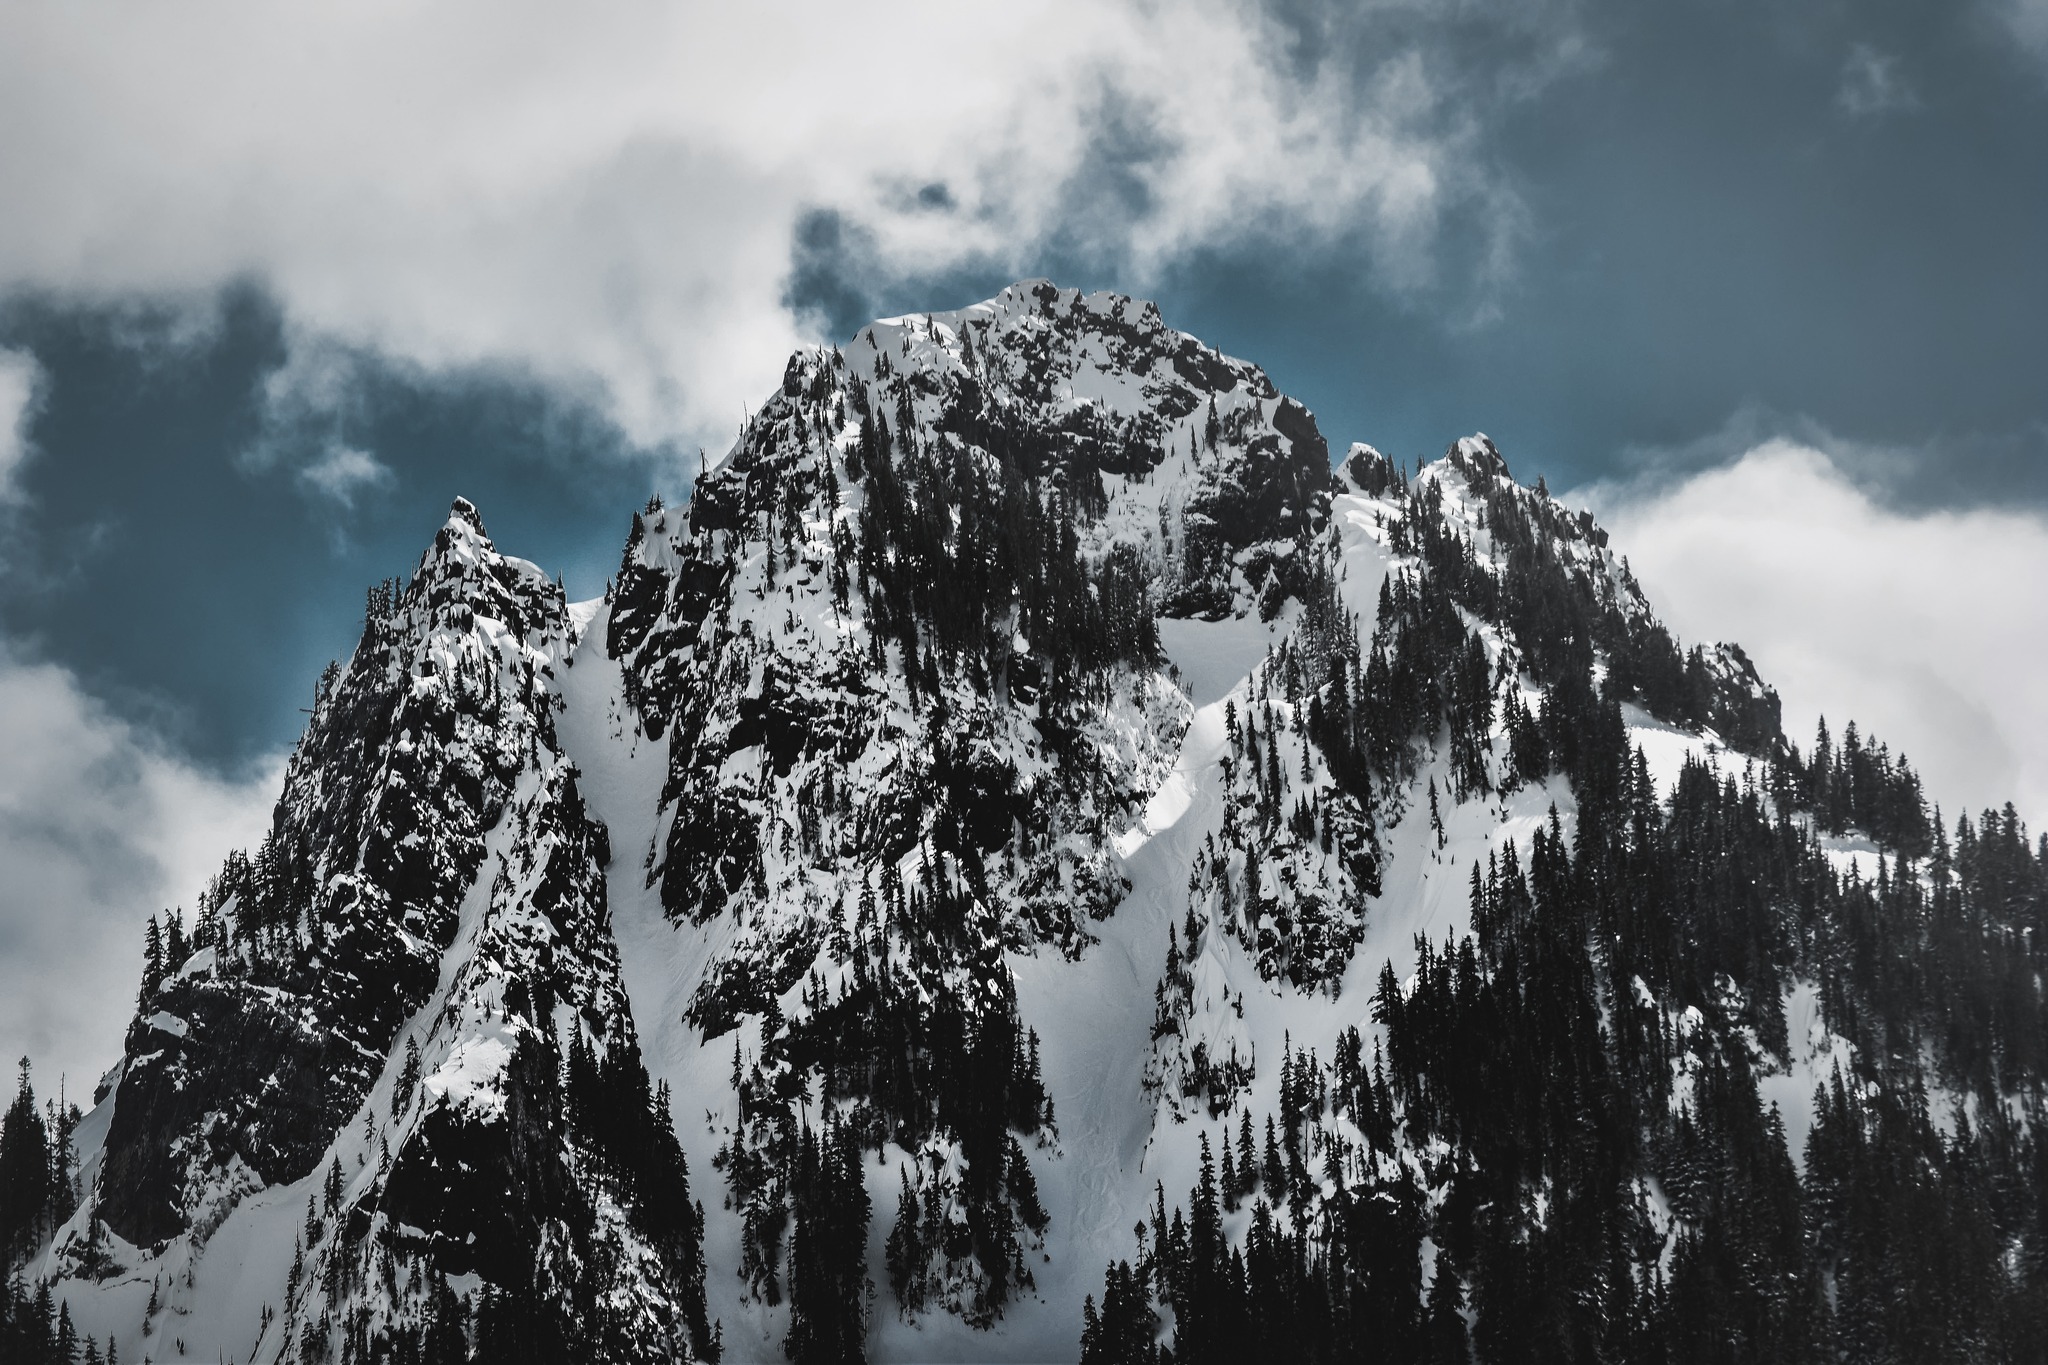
point(1930, 630)
point(2027, 22)
point(100, 827)
point(20, 380)
point(1871, 84)
point(603, 196)
point(344, 471)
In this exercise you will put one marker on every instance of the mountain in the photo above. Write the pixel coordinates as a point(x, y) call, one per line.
point(1036, 861)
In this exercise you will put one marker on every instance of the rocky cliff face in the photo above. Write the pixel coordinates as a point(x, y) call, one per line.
point(247, 1056)
point(902, 648)
point(409, 999)
point(1024, 773)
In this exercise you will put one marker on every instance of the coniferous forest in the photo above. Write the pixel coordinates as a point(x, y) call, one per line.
point(1564, 1121)
point(1531, 1080)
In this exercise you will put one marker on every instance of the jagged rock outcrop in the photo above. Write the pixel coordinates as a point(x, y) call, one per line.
point(247, 1056)
point(380, 1001)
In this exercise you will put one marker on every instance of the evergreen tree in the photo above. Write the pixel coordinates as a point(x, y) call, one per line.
point(25, 1173)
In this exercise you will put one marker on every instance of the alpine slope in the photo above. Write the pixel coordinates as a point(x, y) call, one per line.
point(1039, 861)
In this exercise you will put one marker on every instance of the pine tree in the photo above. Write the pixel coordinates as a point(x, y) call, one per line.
point(1449, 1342)
point(408, 1078)
point(24, 1172)
point(152, 964)
point(176, 948)
point(1273, 1173)
point(905, 1253)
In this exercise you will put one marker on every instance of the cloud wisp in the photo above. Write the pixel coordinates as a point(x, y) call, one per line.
point(1871, 84)
point(1930, 630)
point(20, 378)
point(343, 472)
point(2026, 22)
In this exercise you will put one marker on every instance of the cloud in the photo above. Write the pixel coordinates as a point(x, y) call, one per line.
point(2027, 22)
point(1871, 84)
point(605, 199)
point(100, 826)
point(1930, 630)
point(343, 472)
point(20, 384)
point(1951, 470)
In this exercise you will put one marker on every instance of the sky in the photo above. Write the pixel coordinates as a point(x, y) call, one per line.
point(1761, 283)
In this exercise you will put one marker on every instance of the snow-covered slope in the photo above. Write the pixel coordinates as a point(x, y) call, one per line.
point(1023, 769)
point(352, 1093)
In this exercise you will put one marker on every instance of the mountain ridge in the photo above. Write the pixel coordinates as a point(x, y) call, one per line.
point(874, 816)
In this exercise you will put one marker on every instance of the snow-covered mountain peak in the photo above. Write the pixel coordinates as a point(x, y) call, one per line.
point(1021, 755)
point(1142, 436)
point(462, 576)
point(1068, 351)
point(1547, 574)
point(463, 510)
point(1105, 370)
point(1479, 460)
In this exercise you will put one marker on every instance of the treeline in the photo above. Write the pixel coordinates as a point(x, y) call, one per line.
point(1855, 786)
point(38, 1171)
point(1947, 954)
point(34, 1330)
point(38, 1194)
point(1569, 1108)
